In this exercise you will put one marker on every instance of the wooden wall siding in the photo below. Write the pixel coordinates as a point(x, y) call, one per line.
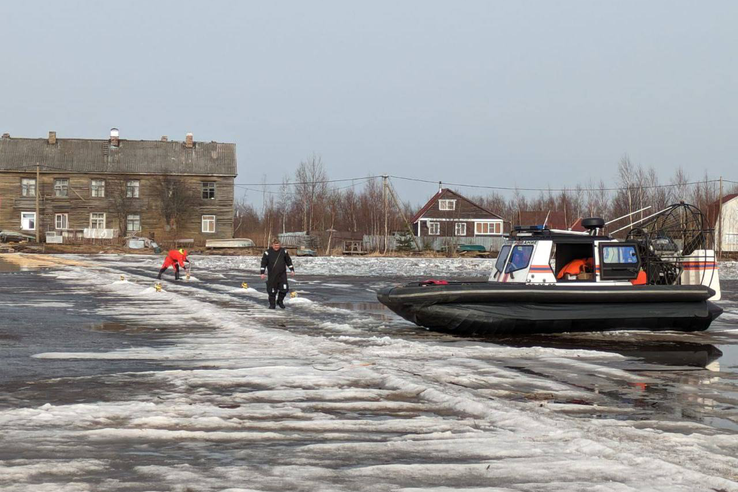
point(79, 204)
point(447, 228)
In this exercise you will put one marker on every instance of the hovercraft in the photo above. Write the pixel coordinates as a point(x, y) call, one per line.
point(661, 276)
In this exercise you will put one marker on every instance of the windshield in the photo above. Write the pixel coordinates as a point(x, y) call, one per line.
point(519, 259)
point(502, 258)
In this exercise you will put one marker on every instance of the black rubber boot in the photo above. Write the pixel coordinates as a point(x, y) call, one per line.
point(280, 299)
point(176, 272)
point(160, 273)
point(272, 302)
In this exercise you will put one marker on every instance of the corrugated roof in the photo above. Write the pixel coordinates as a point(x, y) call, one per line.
point(129, 157)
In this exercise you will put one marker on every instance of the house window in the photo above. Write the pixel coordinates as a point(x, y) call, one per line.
point(28, 187)
point(487, 228)
point(434, 228)
point(97, 189)
point(97, 220)
point(208, 223)
point(447, 204)
point(460, 229)
point(28, 221)
point(61, 188)
point(132, 188)
point(62, 221)
point(133, 224)
point(208, 190)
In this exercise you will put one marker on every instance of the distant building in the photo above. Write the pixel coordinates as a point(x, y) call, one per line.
point(109, 187)
point(726, 228)
point(449, 214)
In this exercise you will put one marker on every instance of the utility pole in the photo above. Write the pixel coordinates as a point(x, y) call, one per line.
point(38, 215)
point(720, 221)
point(386, 211)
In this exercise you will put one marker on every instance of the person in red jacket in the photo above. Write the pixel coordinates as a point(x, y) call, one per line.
point(175, 258)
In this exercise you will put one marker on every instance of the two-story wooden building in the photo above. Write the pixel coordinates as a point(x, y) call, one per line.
point(449, 214)
point(99, 188)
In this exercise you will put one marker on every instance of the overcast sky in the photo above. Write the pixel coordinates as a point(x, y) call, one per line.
point(516, 93)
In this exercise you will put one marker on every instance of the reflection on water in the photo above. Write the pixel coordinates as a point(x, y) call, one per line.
point(664, 352)
point(7, 267)
point(359, 306)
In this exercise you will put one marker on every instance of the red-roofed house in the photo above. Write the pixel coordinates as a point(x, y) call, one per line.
point(449, 214)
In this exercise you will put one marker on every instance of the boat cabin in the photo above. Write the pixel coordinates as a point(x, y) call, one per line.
point(537, 255)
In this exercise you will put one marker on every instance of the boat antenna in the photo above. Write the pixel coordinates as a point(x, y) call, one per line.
point(546, 220)
point(643, 219)
point(627, 215)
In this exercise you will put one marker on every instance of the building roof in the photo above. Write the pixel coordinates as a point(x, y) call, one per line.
point(556, 219)
point(438, 195)
point(577, 226)
point(714, 208)
point(129, 157)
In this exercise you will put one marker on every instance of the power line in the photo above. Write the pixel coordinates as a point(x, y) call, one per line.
point(324, 181)
point(246, 186)
point(356, 181)
point(508, 188)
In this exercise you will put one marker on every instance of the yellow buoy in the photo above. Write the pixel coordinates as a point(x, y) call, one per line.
point(157, 286)
point(187, 277)
point(293, 294)
point(122, 278)
point(245, 285)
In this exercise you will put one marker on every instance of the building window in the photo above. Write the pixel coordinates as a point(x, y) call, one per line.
point(460, 229)
point(61, 188)
point(28, 221)
point(487, 228)
point(208, 223)
point(97, 220)
point(447, 204)
point(434, 228)
point(208, 190)
point(28, 187)
point(133, 224)
point(97, 188)
point(62, 221)
point(132, 188)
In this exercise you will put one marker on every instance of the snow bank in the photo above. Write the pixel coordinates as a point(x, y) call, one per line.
point(358, 266)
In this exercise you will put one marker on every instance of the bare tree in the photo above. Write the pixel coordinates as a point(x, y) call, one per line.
point(120, 202)
point(309, 187)
point(175, 198)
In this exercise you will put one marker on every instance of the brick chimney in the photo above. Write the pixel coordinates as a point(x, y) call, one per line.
point(114, 137)
point(164, 138)
point(189, 143)
point(52, 138)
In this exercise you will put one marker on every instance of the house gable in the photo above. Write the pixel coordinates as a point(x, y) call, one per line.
point(464, 209)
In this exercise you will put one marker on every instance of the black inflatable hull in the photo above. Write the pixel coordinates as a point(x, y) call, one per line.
point(484, 308)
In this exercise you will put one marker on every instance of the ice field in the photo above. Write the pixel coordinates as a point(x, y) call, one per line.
point(108, 385)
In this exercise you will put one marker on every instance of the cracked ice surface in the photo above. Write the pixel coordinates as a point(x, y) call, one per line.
point(319, 397)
